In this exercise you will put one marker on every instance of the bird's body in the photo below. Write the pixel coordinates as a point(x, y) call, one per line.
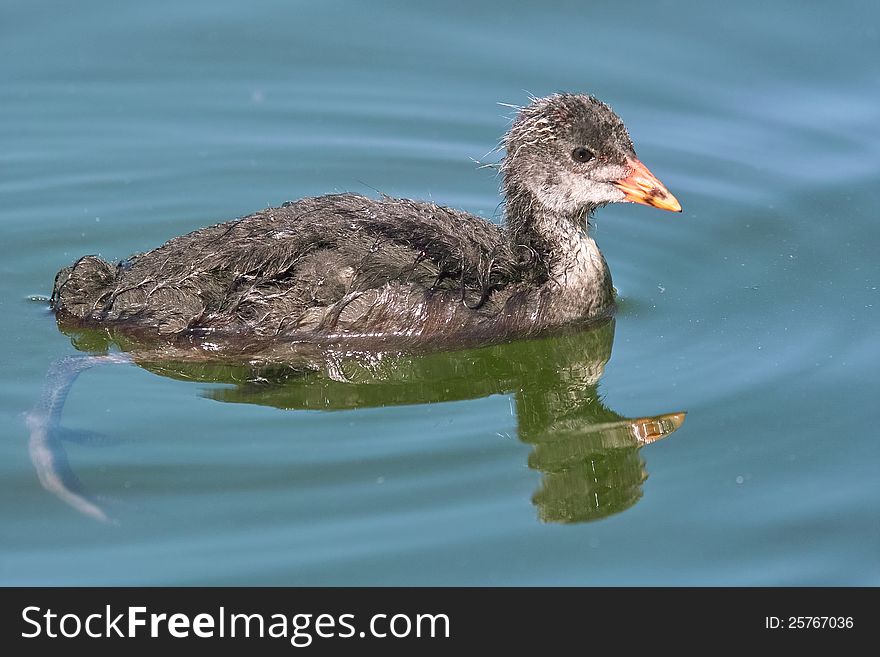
point(345, 268)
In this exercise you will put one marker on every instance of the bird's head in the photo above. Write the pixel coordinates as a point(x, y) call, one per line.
point(573, 154)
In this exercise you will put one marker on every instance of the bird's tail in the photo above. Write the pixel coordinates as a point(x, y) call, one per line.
point(80, 289)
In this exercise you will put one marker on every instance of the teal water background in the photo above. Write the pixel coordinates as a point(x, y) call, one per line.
point(756, 310)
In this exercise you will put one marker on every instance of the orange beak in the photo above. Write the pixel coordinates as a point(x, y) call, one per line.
point(640, 186)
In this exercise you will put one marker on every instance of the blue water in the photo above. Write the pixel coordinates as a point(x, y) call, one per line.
point(755, 311)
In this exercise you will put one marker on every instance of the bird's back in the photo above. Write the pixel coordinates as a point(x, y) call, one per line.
point(318, 268)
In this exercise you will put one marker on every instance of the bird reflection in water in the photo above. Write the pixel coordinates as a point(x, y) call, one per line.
point(587, 454)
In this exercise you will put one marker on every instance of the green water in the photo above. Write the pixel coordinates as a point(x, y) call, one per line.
point(539, 462)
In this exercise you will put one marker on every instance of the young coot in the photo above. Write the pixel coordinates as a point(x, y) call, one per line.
point(347, 269)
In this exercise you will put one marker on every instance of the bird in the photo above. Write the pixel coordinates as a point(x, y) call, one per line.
point(354, 271)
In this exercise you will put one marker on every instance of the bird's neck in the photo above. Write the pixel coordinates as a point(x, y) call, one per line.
point(561, 253)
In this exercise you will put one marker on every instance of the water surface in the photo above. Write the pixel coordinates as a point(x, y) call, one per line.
point(755, 310)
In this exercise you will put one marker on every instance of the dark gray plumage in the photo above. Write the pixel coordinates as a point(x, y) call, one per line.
point(349, 269)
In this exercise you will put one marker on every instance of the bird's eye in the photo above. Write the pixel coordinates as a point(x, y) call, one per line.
point(581, 154)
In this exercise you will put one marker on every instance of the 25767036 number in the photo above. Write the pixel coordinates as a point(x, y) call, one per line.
point(808, 622)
